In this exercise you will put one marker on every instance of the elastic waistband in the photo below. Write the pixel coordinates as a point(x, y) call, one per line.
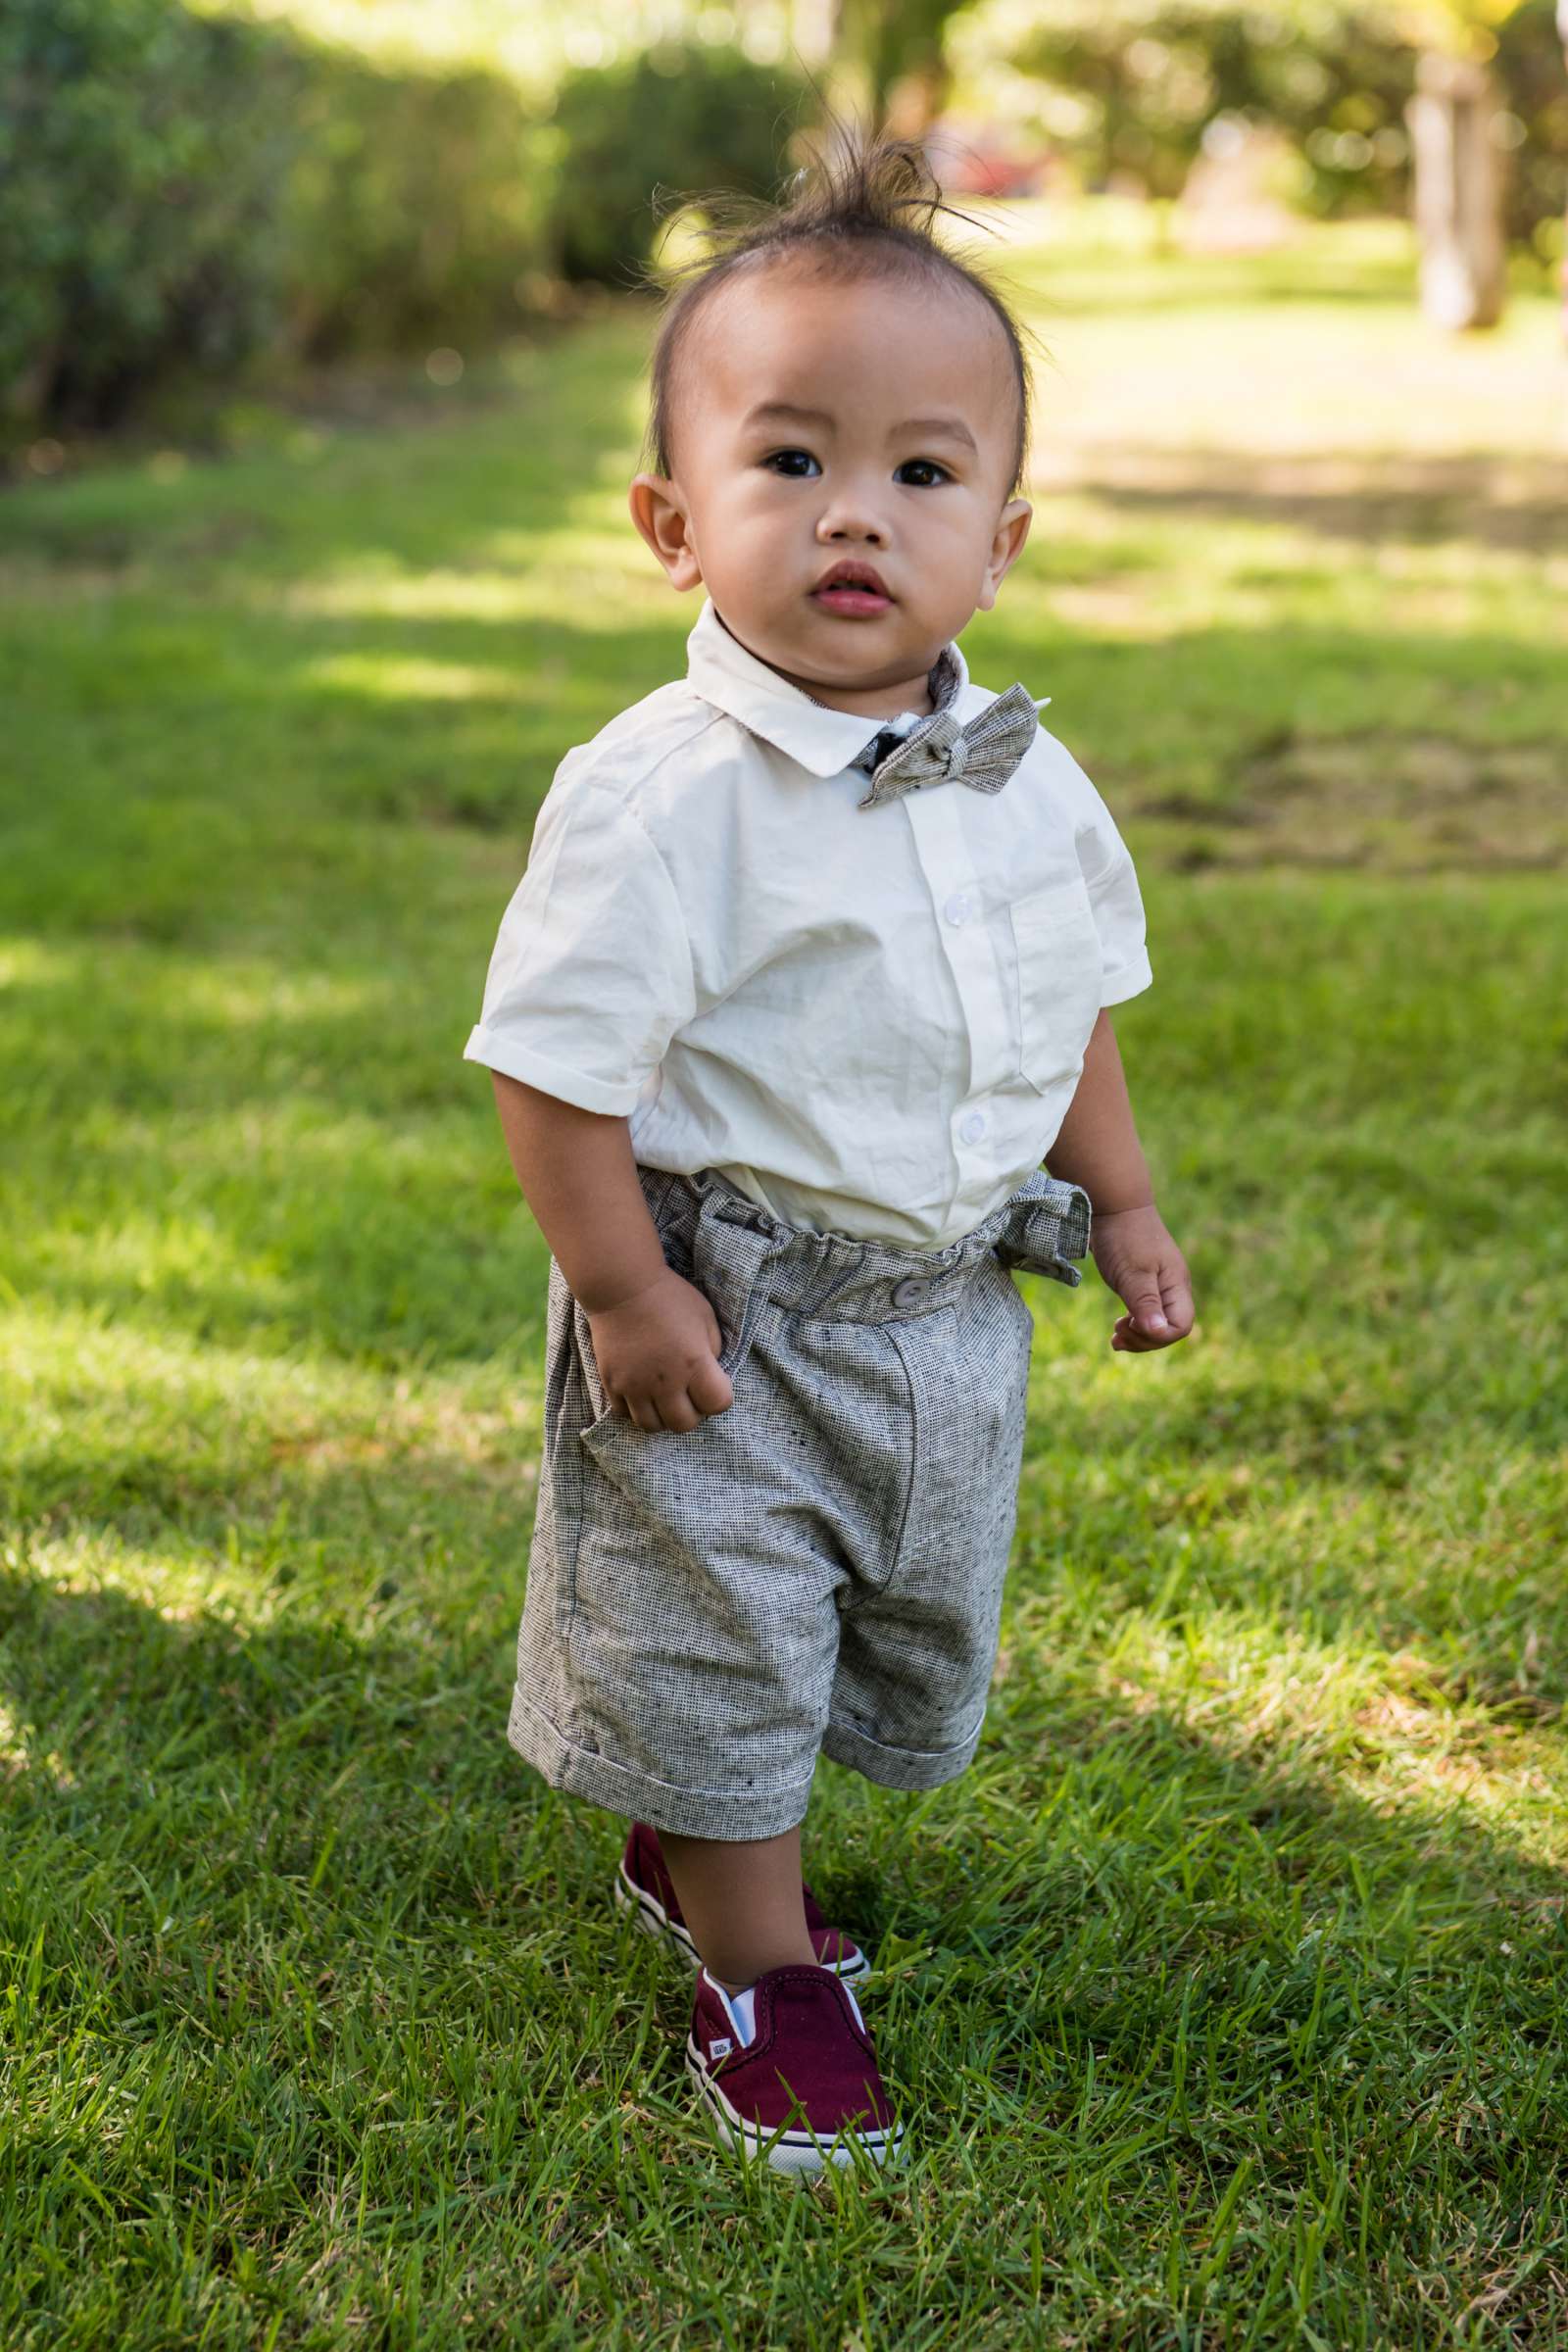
point(737, 1251)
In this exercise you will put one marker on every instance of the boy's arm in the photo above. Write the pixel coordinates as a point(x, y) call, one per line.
point(656, 1336)
point(1097, 1146)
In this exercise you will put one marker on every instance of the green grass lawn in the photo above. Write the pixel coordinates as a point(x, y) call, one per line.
point(1224, 1995)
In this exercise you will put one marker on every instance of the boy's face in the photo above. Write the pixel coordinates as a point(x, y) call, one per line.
point(901, 462)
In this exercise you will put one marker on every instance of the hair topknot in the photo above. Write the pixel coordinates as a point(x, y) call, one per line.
point(864, 206)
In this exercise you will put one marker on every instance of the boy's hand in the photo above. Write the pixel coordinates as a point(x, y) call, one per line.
point(1137, 1260)
point(658, 1355)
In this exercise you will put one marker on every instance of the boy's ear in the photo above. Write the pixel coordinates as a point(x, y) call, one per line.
point(658, 511)
point(1012, 529)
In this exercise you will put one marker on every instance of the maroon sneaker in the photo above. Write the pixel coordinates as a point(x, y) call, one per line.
point(803, 2088)
point(643, 1884)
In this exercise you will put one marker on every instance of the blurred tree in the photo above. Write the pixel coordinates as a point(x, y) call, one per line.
point(889, 52)
point(1528, 69)
point(1134, 90)
point(1458, 173)
point(1153, 74)
point(900, 46)
point(1459, 202)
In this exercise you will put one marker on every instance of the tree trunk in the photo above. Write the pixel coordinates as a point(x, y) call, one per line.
point(1458, 193)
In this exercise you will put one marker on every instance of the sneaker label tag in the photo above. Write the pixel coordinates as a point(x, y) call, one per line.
point(721, 2048)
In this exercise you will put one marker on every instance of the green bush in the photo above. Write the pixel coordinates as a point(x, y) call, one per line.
point(141, 152)
point(178, 190)
point(414, 204)
point(679, 116)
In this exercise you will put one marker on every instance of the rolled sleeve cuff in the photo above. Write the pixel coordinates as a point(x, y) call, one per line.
point(1127, 980)
point(514, 1061)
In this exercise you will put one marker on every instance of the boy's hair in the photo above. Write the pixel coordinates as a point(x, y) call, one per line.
point(864, 212)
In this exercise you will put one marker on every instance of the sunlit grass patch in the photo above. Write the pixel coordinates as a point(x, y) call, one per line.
point(410, 680)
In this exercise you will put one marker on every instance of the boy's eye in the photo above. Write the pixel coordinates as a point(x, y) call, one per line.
point(927, 464)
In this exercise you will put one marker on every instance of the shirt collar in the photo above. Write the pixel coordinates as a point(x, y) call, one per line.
point(736, 681)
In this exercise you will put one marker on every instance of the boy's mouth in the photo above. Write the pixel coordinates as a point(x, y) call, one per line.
point(851, 588)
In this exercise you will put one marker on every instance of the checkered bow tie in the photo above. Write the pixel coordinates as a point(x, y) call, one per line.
point(938, 748)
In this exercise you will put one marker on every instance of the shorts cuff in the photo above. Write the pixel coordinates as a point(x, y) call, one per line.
point(733, 1814)
point(900, 1767)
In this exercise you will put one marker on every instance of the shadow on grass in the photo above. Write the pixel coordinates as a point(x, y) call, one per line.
point(1512, 503)
point(395, 1739)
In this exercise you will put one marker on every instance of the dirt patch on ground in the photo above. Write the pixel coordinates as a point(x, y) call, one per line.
point(1399, 804)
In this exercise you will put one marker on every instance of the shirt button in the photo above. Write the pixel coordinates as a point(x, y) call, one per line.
point(956, 908)
point(909, 1293)
point(972, 1126)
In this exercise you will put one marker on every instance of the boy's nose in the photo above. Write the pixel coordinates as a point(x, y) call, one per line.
point(842, 526)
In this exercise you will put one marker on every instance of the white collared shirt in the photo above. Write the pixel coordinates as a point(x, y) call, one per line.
point(871, 1020)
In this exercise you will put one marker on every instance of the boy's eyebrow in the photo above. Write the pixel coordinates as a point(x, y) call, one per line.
point(768, 411)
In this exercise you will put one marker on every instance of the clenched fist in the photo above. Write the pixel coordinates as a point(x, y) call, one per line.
point(658, 1355)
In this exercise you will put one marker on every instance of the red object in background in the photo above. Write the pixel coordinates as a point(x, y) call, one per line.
point(977, 162)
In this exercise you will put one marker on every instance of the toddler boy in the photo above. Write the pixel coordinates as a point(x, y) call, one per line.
point(809, 971)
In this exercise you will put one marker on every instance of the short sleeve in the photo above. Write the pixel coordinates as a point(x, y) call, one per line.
point(1106, 866)
point(591, 975)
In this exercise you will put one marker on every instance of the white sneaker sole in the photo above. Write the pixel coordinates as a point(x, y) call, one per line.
point(654, 1921)
point(791, 2150)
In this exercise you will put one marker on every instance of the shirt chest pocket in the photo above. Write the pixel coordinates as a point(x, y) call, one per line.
point(1059, 967)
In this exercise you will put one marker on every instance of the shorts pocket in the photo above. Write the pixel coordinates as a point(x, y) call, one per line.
point(1059, 966)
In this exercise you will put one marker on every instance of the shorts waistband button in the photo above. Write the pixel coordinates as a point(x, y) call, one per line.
point(909, 1293)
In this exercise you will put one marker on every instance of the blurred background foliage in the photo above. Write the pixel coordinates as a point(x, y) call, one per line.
point(188, 191)
point(1138, 88)
point(183, 190)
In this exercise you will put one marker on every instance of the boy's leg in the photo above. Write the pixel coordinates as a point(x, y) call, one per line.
point(778, 2048)
point(742, 1902)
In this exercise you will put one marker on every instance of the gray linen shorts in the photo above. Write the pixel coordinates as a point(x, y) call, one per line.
point(817, 1570)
